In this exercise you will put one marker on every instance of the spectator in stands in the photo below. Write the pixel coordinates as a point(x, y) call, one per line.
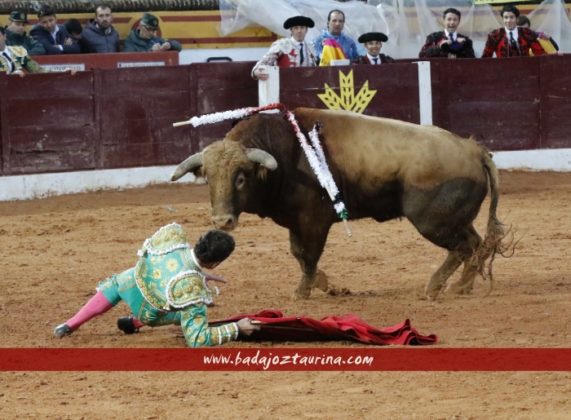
point(337, 45)
point(289, 52)
point(547, 43)
point(373, 42)
point(54, 37)
point(145, 38)
point(448, 43)
point(16, 34)
point(15, 59)
point(511, 41)
point(99, 35)
point(75, 30)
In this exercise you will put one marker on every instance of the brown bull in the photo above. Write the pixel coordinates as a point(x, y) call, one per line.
point(384, 168)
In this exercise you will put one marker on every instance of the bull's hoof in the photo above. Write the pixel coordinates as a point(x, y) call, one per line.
point(432, 293)
point(302, 293)
point(460, 289)
point(320, 281)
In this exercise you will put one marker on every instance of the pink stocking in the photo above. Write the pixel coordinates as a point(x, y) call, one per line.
point(97, 305)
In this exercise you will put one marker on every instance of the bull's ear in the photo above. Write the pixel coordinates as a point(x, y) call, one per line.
point(190, 164)
point(263, 158)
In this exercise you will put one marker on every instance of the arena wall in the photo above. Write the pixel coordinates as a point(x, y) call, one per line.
point(119, 118)
point(112, 128)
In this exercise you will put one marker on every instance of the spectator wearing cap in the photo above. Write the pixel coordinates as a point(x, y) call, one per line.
point(511, 40)
point(99, 35)
point(289, 52)
point(15, 59)
point(334, 34)
point(448, 43)
point(144, 37)
point(16, 34)
point(55, 38)
point(373, 42)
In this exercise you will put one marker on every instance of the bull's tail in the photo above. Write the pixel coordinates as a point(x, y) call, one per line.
point(496, 232)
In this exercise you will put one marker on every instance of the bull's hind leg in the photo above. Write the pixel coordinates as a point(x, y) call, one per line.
point(461, 249)
point(438, 279)
point(307, 249)
point(444, 216)
point(466, 282)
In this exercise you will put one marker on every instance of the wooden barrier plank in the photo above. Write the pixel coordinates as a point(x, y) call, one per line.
point(83, 62)
point(51, 125)
point(494, 100)
point(3, 122)
point(123, 117)
point(555, 102)
point(137, 108)
point(221, 87)
point(396, 87)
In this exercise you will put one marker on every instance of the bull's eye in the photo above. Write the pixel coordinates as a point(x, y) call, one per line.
point(240, 181)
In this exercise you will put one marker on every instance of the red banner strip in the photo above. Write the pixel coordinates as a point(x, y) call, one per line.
point(285, 359)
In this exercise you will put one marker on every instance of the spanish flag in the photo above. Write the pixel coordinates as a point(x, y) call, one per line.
point(331, 51)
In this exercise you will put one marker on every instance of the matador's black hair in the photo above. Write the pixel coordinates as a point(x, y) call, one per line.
point(214, 246)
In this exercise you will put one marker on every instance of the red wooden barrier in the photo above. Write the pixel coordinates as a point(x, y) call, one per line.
point(123, 117)
point(83, 62)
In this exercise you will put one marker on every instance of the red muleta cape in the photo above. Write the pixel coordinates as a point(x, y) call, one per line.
point(277, 327)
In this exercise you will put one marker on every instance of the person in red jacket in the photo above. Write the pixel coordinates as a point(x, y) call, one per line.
point(511, 40)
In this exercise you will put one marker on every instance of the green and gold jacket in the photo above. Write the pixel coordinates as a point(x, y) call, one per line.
point(21, 61)
point(167, 286)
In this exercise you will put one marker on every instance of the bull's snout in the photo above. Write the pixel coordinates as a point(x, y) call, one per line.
point(225, 221)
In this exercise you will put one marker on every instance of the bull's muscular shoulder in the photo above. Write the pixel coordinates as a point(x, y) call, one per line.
point(372, 150)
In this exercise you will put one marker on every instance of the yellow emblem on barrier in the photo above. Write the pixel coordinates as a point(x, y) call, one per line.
point(347, 100)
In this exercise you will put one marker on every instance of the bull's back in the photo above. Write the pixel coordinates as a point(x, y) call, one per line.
point(372, 151)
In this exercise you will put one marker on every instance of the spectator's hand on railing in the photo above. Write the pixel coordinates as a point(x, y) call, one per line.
point(260, 74)
point(156, 47)
point(19, 73)
point(70, 70)
point(166, 46)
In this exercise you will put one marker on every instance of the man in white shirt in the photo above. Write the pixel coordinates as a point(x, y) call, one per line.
point(373, 42)
point(289, 52)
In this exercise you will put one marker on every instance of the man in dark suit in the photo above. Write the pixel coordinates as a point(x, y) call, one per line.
point(373, 42)
point(511, 40)
point(448, 43)
point(55, 38)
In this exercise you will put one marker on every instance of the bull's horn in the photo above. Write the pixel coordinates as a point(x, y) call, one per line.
point(188, 165)
point(263, 158)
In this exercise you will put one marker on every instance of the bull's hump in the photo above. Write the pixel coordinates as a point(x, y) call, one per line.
point(316, 114)
point(372, 150)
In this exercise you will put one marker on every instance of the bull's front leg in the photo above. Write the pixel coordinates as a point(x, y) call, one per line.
point(307, 249)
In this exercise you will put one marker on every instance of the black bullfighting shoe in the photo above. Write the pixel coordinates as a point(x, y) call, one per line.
point(62, 330)
point(126, 325)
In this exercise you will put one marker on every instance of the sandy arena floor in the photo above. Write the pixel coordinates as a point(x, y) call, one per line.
point(55, 250)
